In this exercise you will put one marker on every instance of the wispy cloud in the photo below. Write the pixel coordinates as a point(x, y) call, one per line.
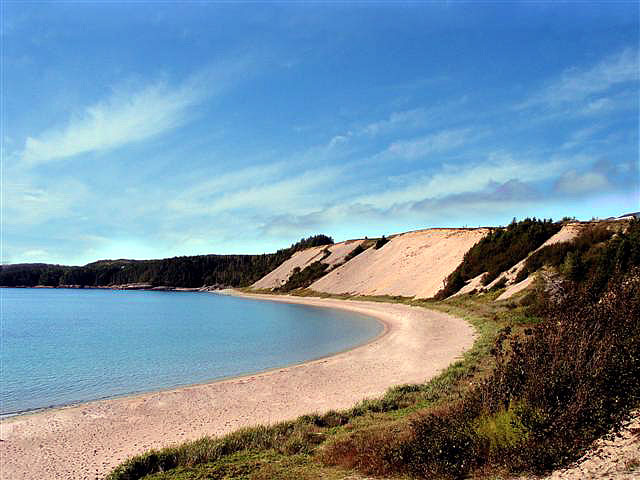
point(499, 167)
point(576, 85)
point(129, 115)
point(29, 202)
point(412, 118)
point(122, 119)
point(266, 188)
point(434, 143)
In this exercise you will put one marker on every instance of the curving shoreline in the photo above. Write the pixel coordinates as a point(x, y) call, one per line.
point(87, 440)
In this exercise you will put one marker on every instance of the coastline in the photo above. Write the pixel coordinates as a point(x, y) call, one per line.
point(87, 440)
point(227, 291)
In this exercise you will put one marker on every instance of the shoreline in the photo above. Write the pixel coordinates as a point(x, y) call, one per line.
point(53, 408)
point(87, 440)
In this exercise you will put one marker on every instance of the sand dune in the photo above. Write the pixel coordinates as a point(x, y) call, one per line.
point(413, 264)
point(301, 259)
point(567, 233)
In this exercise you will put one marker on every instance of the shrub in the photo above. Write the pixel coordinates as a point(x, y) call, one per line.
point(381, 242)
point(354, 253)
point(444, 443)
point(304, 278)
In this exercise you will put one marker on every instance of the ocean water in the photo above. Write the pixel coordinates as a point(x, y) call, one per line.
point(60, 346)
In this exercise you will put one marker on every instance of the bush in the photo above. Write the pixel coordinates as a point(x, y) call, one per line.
point(304, 278)
point(444, 443)
point(381, 242)
point(578, 374)
point(354, 253)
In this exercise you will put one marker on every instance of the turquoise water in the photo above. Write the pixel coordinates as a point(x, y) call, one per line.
point(62, 346)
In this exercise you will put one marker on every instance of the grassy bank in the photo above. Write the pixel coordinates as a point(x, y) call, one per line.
point(296, 449)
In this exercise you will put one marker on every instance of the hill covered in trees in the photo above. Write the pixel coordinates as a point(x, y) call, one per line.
point(188, 272)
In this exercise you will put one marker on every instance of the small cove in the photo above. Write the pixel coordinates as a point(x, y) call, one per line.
point(61, 346)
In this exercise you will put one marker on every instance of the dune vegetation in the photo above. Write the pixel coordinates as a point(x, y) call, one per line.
point(552, 370)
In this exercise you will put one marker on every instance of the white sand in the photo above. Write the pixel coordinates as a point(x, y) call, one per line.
point(303, 258)
point(511, 290)
point(617, 457)
point(413, 264)
point(87, 440)
point(474, 284)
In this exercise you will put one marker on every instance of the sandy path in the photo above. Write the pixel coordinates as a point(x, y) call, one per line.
point(87, 440)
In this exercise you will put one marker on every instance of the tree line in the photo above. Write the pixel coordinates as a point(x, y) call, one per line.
point(187, 271)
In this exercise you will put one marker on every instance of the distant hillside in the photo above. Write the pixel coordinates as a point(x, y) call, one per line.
point(189, 272)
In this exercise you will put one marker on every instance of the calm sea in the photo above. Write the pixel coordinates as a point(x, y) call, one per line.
point(65, 346)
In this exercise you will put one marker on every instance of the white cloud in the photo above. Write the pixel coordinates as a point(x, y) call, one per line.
point(265, 188)
point(582, 136)
point(128, 115)
point(434, 143)
point(123, 118)
point(36, 254)
point(339, 140)
point(499, 167)
point(415, 117)
point(576, 85)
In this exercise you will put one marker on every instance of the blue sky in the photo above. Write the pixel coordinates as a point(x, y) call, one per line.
point(149, 130)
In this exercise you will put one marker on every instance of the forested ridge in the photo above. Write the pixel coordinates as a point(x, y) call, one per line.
point(188, 272)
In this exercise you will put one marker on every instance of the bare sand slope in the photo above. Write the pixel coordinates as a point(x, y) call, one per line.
point(340, 250)
point(301, 259)
point(511, 290)
point(474, 284)
point(617, 457)
point(608, 458)
point(567, 233)
point(86, 441)
point(413, 264)
point(280, 275)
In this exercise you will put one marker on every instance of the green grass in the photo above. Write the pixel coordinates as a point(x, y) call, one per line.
point(255, 465)
point(295, 449)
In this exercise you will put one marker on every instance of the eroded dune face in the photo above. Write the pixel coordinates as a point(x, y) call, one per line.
point(280, 275)
point(566, 234)
point(413, 264)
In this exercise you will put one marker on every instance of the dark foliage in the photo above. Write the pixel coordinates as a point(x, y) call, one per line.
point(304, 278)
point(313, 241)
point(591, 257)
point(498, 251)
point(381, 242)
point(572, 379)
point(354, 253)
point(195, 271)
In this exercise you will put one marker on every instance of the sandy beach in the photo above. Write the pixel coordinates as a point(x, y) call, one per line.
point(86, 441)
